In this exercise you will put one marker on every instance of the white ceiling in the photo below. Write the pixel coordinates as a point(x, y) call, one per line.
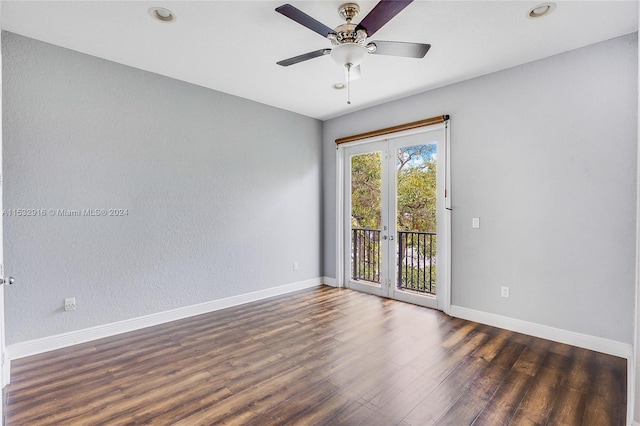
point(233, 46)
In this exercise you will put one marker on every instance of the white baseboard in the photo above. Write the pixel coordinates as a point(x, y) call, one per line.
point(45, 344)
point(330, 281)
point(598, 344)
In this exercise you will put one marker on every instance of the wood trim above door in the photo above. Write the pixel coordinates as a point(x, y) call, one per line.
point(394, 129)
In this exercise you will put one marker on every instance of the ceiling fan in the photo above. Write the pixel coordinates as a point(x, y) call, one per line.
point(349, 41)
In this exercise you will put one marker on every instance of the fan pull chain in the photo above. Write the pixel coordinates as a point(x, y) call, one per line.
point(348, 83)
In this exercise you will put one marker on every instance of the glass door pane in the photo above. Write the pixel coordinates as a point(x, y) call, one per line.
point(366, 217)
point(366, 249)
point(417, 207)
point(416, 192)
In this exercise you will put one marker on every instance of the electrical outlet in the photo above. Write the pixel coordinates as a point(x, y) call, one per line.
point(70, 304)
point(504, 292)
point(295, 266)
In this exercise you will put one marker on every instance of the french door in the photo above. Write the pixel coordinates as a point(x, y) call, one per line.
point(396, 223)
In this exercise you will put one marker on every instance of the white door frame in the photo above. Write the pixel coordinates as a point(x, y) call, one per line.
point(4, 362)
point(444, 242)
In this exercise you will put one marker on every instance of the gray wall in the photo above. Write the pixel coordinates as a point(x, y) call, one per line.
point(545, 155)
point(223, 194)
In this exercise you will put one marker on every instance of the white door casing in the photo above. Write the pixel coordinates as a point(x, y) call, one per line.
point(3, 358)
point(4, 362)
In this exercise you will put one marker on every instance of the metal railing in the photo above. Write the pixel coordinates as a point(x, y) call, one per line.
point(416, 261)
point(416, 258)
point(365, 254)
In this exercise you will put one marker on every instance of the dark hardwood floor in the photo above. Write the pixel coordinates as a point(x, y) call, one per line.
point(323, 356)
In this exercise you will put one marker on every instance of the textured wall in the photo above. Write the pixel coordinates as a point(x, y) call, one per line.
point(223, 194)
point(545, 155)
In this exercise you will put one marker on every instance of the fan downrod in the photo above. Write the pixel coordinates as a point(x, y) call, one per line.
point(349, 11)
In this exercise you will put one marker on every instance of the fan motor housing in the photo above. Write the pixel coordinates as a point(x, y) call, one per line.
point(347, 33)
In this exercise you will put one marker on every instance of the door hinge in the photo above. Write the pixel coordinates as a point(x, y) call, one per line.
point(1, 270)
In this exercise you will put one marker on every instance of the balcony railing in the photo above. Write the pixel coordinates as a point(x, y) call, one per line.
point(416, 258)
point(365, 253)
point(417, 261)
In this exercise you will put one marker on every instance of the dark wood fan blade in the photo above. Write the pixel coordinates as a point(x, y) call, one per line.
point(304, 19)
point(304, 57)
point(382, 13)
point(399, 48)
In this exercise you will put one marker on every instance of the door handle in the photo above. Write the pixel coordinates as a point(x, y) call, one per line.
point(8, 281)
point(384, 237)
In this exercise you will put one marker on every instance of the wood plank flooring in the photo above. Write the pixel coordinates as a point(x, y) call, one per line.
point(323, 356)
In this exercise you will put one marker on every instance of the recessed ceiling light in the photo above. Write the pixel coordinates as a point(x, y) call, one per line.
point(162, 14)
point(541, 10)
point(339, 86)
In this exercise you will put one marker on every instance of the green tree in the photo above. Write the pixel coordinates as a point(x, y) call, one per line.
point(366, 186)
point(416, 168)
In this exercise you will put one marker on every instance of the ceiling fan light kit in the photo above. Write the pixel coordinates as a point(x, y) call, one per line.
point(349, 41)
point(349, 54)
